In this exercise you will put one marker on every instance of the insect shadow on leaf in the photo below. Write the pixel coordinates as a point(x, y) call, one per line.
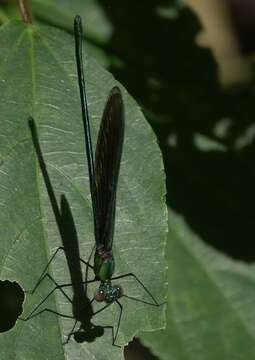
point(103, 179)
point(81, 305)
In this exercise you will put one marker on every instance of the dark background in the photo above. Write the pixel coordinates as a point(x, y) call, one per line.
point(177, 84)
point(211, 181)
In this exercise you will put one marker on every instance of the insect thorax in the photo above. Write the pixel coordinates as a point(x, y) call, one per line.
point(103, 265)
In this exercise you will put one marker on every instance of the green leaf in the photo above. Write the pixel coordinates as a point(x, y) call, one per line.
point(211, 302)
point(38, 79)
point(61, 13)
point(171, 11)
point(98, 54)
point(97, 27)
point(9, 10)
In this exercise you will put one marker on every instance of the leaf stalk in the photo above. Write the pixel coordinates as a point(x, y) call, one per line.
point(24, 10)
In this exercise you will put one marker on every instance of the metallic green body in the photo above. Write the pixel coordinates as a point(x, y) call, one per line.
point(103, 268)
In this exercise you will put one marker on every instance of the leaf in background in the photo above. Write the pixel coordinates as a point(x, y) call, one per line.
point(61, 13)
point(9, 10)
point(97, 27)
point(211, 302)
point(38, 79)
point(171, 11)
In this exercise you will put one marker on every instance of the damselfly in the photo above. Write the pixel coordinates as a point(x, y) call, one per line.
point(103, 179)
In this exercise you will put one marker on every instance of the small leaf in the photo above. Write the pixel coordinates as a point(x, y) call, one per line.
point(38, 80)
point(211, 302)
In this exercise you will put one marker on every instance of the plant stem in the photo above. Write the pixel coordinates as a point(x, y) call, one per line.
point(25, 13)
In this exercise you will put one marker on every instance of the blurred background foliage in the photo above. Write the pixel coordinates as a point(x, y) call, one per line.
point(189, 64)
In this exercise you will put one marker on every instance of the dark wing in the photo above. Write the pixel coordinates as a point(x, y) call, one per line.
point(107, 164)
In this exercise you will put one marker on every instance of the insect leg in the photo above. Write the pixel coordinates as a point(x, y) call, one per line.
point(42, 276)
point(154, 303)
point(46, 310)
point(118, 325)
point(71, 333)
point(57, 286)
point(114, 336)
point(112, 330)
point(49, 262)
